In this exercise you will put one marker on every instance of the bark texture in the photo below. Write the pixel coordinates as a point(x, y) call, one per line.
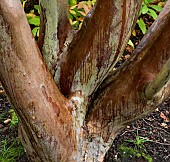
point(143, 81)
point(77, 120)
point(43, 111)
point(55, 32)
point(97, 46)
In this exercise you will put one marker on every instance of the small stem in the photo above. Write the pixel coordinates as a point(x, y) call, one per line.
point(159, 82)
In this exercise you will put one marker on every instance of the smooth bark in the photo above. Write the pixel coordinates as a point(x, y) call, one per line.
point(44, 112)
point(97, 46)
point(138, 86)
point(99, 102)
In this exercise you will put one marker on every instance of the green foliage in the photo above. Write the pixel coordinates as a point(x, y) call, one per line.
point(14, 120)
point(149, 9)
point(72, 2)
point(10, 149)
point(138, 150)
point(2, 115)
point(142, 25)
point(131, 43)
point(34, 19)
point(78, 10)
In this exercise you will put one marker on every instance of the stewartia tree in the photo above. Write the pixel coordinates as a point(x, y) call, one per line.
point(70, 102)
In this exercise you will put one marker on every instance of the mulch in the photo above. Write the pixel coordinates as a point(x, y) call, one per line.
point(156, 127)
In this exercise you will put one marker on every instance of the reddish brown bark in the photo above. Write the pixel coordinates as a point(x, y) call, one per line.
point(43, 111)
point(122, 96)
point(82, 126)
point(98, 45)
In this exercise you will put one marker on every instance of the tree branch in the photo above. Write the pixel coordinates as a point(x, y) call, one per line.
point(98, 45)
point(55, 31)
point(122, 97)
point(43, 110)
point(159, 82)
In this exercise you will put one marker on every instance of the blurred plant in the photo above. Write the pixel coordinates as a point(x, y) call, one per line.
point(131, 43)
point(10, 149)
point(78, 10)
point(33, 19)
point(149, 9)
point(138, 150)
point(14, 120)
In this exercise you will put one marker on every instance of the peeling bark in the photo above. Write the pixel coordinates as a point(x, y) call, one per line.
point(56, 32)
point(44, 113)
point(98, 45)
point(128, 93)
point(80, 128)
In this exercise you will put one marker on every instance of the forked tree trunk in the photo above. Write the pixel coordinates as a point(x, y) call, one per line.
point(72, 105)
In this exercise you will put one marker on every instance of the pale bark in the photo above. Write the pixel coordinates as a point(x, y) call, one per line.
point(55, 32)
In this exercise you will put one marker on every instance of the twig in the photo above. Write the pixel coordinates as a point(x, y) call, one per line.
point(156, 127)
point(166, 144)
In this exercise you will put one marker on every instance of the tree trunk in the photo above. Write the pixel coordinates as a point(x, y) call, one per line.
point(70, 103)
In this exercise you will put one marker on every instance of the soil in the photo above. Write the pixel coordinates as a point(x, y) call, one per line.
point(155, 126)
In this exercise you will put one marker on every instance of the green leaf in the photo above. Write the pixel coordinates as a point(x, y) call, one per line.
point(138, 155)
point(156, 7)
point(28, 18)
point(71, 16)
point(145, 2)
point(153, 14)
point(93, 2)
point(148, 1)
point(34, 21)
point(144, 9)
point(89, 3)
point(142, 25)
point(72, 12)
point(131, 43)
point(72, 2)
point(75, 23)
point(35, 31)
point(23, 4)
point(37, 7)
point(31, 11)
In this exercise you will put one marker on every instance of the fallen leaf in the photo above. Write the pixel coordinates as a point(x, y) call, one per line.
point(163, 124)
point(7, 121)
point(162, 115)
